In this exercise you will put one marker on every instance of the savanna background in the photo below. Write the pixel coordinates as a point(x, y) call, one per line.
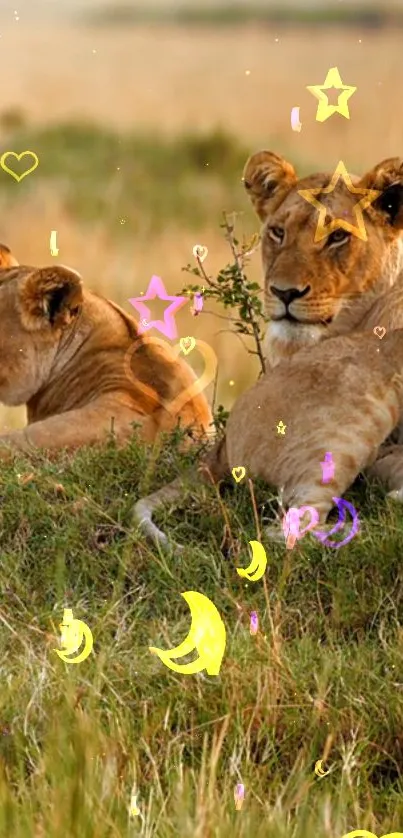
point(142, 116)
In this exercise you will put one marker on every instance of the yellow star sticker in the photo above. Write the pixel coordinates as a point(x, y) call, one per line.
point(324, 109)
point(322, 230)
point(281, 428)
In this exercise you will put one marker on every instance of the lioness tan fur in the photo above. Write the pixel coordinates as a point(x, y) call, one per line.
point(355, 387)
point(314, 291)
point(77, 362)
point(341, 284)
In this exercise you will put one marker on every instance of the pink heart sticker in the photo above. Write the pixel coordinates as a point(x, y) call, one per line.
point(291, 521)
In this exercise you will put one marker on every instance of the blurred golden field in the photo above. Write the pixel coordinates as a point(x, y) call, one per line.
point(170, 80)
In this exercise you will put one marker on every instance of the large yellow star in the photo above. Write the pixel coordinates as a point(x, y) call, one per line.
point(324, 109)
point(322, 230)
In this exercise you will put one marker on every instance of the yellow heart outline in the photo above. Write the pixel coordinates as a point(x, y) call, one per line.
point(194, 389)
point(240, 475)
point(184, 348)
point(200, 252)
point(18, 178)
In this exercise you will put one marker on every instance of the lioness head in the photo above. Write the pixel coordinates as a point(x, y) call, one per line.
point(323, 288)
point(37, 309)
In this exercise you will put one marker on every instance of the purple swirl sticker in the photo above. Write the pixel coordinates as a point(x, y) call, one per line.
point(342, 506)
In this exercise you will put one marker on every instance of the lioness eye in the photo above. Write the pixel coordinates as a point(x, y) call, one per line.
point(338, 236)
point(276, 233)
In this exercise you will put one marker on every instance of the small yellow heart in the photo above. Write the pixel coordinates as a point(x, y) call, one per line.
point(238, 473)
point(380, 332)
point(200, 252)
point(18, 156)
point(187, 344)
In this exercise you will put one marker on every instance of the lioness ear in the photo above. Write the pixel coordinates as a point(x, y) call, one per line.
point(50, 295)
point(6, 257)
point(267, 179)
point(387, 177)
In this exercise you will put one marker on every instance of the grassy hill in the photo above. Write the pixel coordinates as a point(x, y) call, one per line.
point(322, 678)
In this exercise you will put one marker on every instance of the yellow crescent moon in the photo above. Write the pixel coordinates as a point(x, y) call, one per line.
point(207, 635)
point(362, 833)
point(257, 567)
point(85, 631)
point(319, 770)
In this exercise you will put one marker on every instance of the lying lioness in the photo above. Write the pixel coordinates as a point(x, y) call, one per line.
point(355, 398)
point(64, 352)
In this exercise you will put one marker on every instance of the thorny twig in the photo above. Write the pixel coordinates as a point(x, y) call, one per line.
point(240, 263)
point(232, 289)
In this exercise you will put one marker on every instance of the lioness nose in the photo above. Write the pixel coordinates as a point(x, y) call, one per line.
point(287, 295)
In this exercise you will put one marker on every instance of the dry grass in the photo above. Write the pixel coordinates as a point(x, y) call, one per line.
point(170, 79)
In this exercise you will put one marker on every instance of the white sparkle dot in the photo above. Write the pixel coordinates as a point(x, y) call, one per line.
point(247, 72)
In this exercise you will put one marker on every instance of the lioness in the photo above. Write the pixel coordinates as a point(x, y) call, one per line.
point(62, 353)
point(355, 388)
point(338, 286)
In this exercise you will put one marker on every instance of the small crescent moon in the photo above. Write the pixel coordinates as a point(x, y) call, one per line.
point(89, 642)
point(319, 770)
point(257, 566)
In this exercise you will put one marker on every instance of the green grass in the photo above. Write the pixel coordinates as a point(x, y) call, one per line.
point(100, 173)
point(327, 661)
point(145, 180)
point(227, 14)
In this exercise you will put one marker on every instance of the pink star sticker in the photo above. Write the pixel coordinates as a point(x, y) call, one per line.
point(167, 326)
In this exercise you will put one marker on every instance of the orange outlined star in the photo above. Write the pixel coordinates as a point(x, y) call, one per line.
point(323, 230)
point(332, 80)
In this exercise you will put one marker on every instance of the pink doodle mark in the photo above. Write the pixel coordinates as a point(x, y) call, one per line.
point(254, 622)
point(327, 468)
point(239, 795)
point(167, 326)
point(197, 304)
point(342, 506)
point(291, 521)
point(290, 524)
